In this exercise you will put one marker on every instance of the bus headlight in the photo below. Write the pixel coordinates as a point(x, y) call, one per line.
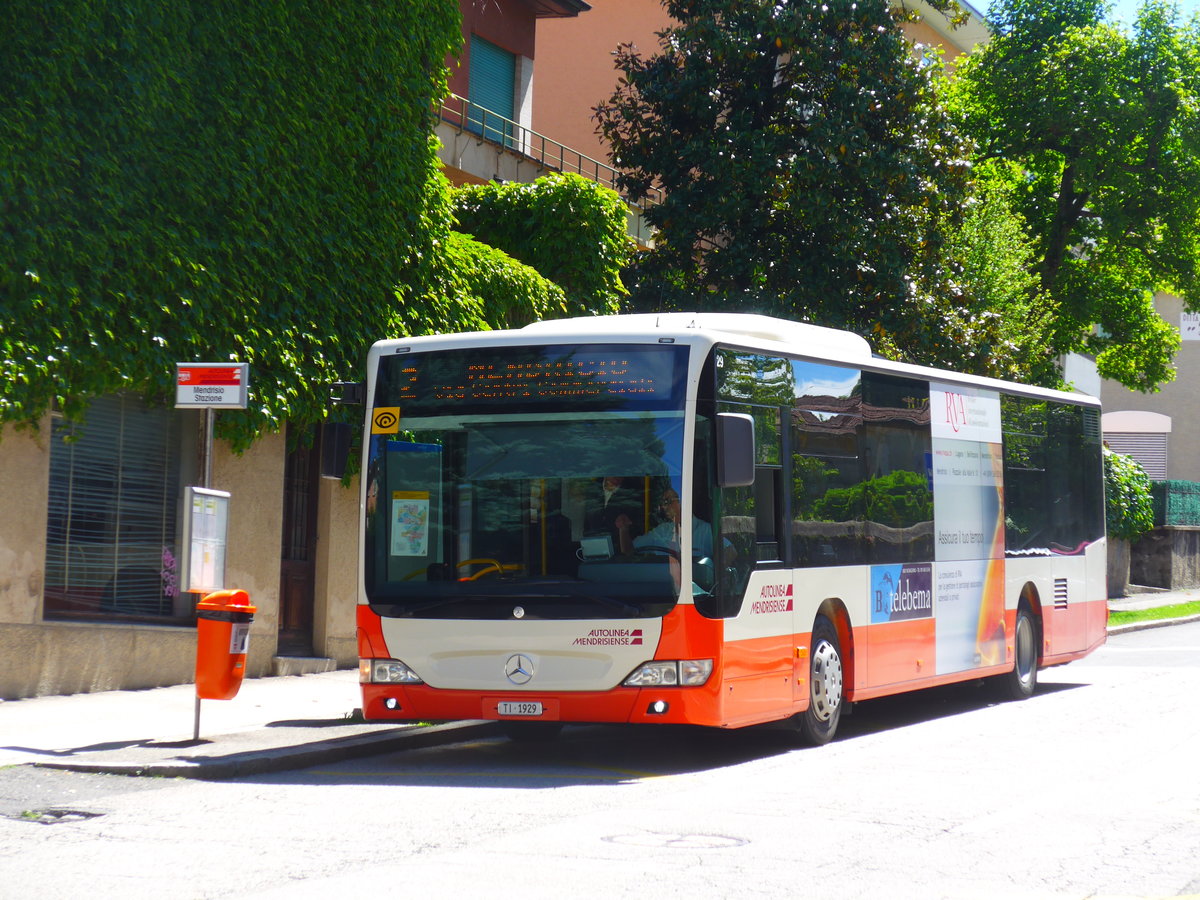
point(670, 673)
point(694, 672)
point(386, 671)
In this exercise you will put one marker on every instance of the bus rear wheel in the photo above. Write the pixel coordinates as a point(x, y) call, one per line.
point(826, 686)
point(1021, 682)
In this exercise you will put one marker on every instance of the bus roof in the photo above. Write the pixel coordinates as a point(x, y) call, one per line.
point(827, 341)
point(765, 333)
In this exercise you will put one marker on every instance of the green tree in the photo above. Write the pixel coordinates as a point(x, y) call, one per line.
point(993, 257)
point(1104, 129)
point(808, 170)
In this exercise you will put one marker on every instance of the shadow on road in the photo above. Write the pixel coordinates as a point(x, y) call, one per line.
point(886, 713)
point(614, 754)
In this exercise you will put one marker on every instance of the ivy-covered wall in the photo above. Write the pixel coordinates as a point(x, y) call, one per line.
point(255, 182)
point(211, 181)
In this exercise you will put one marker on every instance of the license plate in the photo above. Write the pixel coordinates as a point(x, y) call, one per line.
point(519, 708)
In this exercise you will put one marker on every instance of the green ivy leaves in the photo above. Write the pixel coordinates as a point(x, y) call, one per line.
point(571, 230)
point(1129, 509)
point(254, 182)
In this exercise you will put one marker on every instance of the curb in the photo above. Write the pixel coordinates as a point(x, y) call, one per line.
point(1152, 623)
point(283, 759)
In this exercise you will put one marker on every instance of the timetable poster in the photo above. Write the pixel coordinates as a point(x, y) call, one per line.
point(410, 523)
point(414, 499)
point(968, 515)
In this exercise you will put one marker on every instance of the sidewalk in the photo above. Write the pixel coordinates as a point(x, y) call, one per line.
point(272, 725)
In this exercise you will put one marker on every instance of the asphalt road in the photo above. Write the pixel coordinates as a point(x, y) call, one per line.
point(1086, 790)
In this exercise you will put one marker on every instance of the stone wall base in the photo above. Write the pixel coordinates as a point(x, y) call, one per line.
point(81, 657)
point(1167, 557)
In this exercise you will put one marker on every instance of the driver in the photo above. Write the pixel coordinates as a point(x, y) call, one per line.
point(667, 534)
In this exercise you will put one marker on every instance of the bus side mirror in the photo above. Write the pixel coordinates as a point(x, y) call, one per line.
point(735, 450)
point(348, 393)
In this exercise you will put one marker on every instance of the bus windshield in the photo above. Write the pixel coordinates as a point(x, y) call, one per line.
point(524, 482)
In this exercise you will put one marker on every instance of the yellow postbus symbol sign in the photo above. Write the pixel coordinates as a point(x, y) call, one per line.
point(385, 420)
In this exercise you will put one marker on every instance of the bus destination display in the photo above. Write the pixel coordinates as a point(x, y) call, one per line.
point(616, 376)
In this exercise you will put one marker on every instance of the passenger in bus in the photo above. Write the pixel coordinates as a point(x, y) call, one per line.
point(615, 509)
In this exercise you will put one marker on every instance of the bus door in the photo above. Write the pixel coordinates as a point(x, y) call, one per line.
point(755, 582)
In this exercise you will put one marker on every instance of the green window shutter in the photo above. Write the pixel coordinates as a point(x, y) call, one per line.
point(492, 85)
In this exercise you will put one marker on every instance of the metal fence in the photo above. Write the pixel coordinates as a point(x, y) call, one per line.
point(1176, 502)
point(470, 117)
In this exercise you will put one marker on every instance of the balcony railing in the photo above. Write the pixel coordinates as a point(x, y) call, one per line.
point(489, 126)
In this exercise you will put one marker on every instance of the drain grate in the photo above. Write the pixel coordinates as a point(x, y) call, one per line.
point(55, 815)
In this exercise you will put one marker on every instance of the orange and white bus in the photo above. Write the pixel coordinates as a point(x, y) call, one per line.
point(715, 519)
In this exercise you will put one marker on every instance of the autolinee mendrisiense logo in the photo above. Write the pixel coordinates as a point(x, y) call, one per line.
point(601, 637)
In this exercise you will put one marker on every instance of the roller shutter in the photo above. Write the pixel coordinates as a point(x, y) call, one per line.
point(492, 87)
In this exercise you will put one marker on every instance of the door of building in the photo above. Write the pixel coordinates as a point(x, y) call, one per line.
point(297, 568)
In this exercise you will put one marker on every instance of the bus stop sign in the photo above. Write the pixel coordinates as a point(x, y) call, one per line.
point(211, 385)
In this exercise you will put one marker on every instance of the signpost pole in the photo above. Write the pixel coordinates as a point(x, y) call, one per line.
point(210, 386)
point(206, 449)
point(210, 416)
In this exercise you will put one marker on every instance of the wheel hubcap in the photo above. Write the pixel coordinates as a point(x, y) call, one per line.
point(1024, 649)
point(826, 680)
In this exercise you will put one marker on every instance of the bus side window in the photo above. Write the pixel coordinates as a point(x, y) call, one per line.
point(897, 491)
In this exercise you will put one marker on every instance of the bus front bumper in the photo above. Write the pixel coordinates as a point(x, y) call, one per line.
point(665, 705)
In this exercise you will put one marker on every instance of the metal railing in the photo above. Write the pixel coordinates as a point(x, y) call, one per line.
point(469, 117)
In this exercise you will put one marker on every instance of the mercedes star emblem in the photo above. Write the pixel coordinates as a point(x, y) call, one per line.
point(519, 668)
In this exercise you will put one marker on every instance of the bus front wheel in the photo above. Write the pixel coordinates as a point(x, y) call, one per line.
point(826, 685)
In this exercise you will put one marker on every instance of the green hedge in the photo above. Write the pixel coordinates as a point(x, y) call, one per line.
point(571, 230)
point(1127, 504)
point(499, 290)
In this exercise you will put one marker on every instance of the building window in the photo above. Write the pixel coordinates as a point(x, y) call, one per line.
point(111, 539)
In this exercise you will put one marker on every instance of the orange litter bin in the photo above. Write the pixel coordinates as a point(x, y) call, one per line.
point(222, 637)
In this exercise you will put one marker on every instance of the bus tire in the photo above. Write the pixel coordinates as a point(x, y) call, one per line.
point(826, 686)
point(532, 732)
point(1020, 683)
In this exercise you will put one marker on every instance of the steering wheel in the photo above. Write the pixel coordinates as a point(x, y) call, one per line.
point(672, 552)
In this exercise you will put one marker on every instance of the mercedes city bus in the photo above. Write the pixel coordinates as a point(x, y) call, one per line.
point(714, 519)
